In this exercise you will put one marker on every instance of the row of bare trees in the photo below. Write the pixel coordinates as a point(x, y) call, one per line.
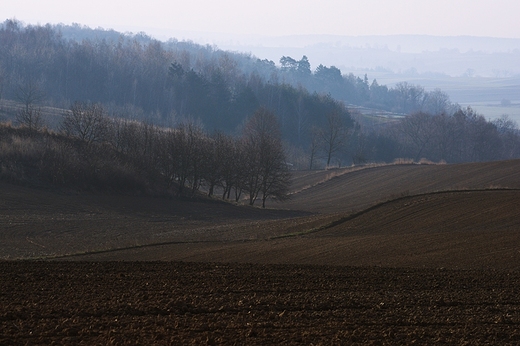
point(180, 160)
point(186, 157)
point(463, 136)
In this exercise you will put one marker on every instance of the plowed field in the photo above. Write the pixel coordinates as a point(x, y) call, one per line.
point(374, 255)
point(213, 304)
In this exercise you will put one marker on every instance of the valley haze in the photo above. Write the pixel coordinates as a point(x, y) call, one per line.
point(476, 71)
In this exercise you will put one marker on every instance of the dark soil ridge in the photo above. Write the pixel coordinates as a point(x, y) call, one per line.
point(353, 190)
point(465, 229)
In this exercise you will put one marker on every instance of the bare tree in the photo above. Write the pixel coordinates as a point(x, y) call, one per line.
point(486, 143)
point(302, 117)
point(217, 149)
point(2, 81)
point(276, 178)
point(444, 139)
point(167, 155)
point(189, 146)
point(30, 118)
point(436, 102)
point(334, 136)
point(419, 129)
point(227, 163)
point(510, 134)
point(29, 93)
point(410, 97)
point(267, 172)
point(86, 121)
point(314, 146)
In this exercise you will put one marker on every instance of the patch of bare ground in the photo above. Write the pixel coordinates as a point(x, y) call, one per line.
point(465, 229)
point(165, 303)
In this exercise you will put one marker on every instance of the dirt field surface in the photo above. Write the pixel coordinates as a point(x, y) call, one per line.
point(477, 230)
point(395, 211)
point(348, 189)
point(400, 254)
point(37, 224)
point(175, 303)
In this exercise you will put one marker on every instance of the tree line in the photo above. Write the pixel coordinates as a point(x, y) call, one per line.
point(165, 82)
point(404, 98)
point(140, 78)
point(464, 136)
point(94, 151)
point(168, 84)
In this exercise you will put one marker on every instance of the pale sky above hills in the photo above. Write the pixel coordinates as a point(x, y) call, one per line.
point(166, 18)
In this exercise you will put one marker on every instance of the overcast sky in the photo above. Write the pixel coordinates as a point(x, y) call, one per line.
point(170, 18)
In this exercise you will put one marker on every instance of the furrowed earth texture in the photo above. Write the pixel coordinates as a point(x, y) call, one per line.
point(397, 254)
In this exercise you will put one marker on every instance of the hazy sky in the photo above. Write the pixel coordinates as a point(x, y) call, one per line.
point(168, 18)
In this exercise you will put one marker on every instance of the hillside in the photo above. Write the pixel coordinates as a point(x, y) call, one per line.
point(39, 223)
point(477, 230)
point(170, 83)
point(388, 215)
point(350, 189)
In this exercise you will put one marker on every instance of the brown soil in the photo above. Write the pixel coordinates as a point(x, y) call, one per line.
point(459, 230)
point(243, 304)
point(44, 224)
point(354, 257)
point(39, 224)
point(350, 189)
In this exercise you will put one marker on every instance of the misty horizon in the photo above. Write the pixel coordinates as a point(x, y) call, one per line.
point(477, 71)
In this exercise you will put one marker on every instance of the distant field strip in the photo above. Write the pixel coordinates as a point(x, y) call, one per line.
point(334, 173)
point(355, 215)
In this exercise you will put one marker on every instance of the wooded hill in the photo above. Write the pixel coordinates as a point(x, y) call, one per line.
point(168, 83)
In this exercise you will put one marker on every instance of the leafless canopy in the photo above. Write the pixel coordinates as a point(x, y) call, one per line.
point(85, 121)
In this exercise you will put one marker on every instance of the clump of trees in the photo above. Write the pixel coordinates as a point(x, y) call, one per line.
point(266, 173)
point(93, 151)
point(463, 136)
